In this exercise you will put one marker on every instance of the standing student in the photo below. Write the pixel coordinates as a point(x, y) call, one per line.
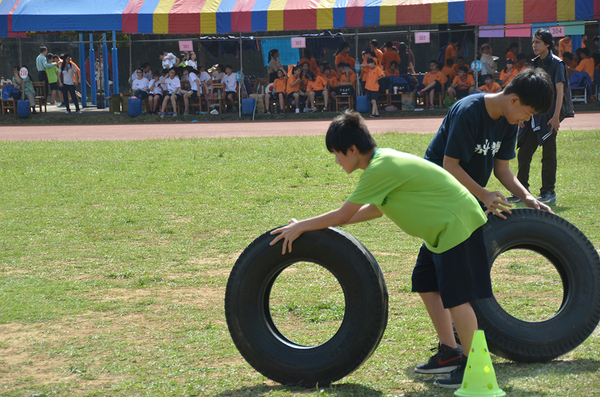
point(373, 74)
point(52, 74)
point(67, 80)
point(313, 66)
point(543, 129)
point(342, 55)
point(390, 54)
point(42, 65)
point(274, 64)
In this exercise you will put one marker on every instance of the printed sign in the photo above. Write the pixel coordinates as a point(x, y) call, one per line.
point(557, 31)
point(23, 73)
point(298, 42)
point(186, 45)
point(422, 38)
point(477, 66)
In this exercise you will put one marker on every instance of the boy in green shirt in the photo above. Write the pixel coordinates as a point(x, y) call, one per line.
point(53, 77)
point(425, 201)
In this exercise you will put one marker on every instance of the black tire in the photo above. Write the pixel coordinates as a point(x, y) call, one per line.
point(271, 353)
point(578, 265)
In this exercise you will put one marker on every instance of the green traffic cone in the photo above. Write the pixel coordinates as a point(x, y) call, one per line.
point(479, 379)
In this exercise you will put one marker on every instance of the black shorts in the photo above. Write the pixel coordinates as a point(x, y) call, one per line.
point(460, 275)
point(194, 94)
point(160, 96)
point(231, 92)
point(291, 94)
point(177, 96)
point(54, 86)
point(462, 93)
point(318, 93)
point(437, 87)
point(372, 95)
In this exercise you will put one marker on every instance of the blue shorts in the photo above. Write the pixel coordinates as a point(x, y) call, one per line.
point(460, 275)
point(372, 95)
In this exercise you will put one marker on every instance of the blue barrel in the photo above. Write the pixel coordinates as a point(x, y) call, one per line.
point(23, 108)
point(135, 106)
point(362, 104)
point(248, 105)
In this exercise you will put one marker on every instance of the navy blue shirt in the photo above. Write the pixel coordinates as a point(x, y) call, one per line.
point(469, 134)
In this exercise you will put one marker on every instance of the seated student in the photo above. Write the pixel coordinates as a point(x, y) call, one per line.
point(373, 74)
point(294, 81)
point(424, 200)
point(448, 70)
point(392, 69)
point(460, 61)
point(171, 86)
point(347, 79)
point(332, 81)
point(140, 85)
point(490, 85)
point(316, 87)
point(462, 85)
point(434, 81)
point(304, 71)
point(507, 74)
point(390, 55)
point(155, 95)
point(230, 82)
point(321, 69)
point(279, 91)
point(193, 92)
point(312, 62)
point(586, 64)
point(570, 63)
point(521, 62)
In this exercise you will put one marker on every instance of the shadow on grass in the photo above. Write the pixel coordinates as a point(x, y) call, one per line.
point(555, 367)
point(335, 390)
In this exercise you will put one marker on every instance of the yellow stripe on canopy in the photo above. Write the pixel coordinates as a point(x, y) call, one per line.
point(387, 12)
point(325, 14)
point(439, 12)
point(160, 18)
point(275, 15)
point(565, 10)
point(208, 16)
point(514, 11)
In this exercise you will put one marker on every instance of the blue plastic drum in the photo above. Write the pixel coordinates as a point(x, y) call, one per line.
point(23, 108)
point(135, 106)
point(362, 104)
point(248, 105)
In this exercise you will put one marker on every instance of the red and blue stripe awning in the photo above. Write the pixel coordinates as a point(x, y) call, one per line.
point(230, 16)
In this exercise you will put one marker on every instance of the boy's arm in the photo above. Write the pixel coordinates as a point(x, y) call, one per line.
point(337, 217)
point(554, 122)
point(495, 202)
point(507, 178)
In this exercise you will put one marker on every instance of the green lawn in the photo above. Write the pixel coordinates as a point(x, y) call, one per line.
point(114, 258)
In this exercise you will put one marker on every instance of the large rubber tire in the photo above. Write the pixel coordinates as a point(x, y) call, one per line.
point(268, 350)
point(578, 265)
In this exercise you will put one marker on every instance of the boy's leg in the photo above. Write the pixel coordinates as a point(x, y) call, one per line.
point(549, 164)
point(465, 322)
point(326, 98)
point(186, 103)
point(440, 317)
point(527, 147)
point(452, 94)
point(267, 102)
point(281, 102)
point(297, 101)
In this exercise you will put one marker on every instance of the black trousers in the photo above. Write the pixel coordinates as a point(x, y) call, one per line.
point(42, 76)
point(66, 89)
point(527, 147)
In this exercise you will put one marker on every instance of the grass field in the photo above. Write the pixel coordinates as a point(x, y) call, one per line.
point(114, 258)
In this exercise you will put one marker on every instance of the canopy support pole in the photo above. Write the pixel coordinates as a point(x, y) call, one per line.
point(82, 71)
point(105, 69)
point(476, 35)
point(19, 50)
point(356, 55)
point(130, 58)
point(93, 70)
point(115, 64)
point(241, 82)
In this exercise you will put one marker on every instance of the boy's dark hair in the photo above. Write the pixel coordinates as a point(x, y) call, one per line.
point(545, 36)
point(585, 51)
point(521, 57)
point(346, 130)
point(534, 88)
point(389, 44)
point(488, 76)
point(394, 63)
point(162, 52)
point(155, 73)
point(42, 49)
point(567, 55)
point(449, 62)
point(460, 57)
point(229, 66)
point(370, 60)
point(165, 71)
point(464, 69)
point(509, 60)
point(375, 42)
point(145, 65)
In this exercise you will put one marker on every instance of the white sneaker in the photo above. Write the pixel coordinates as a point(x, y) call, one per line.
point(214, 112)
point(162, 115)
point(297, 110)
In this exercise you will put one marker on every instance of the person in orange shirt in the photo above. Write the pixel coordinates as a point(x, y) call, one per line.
point(448, 70)
point(490, 85)
point(509, 73)
point(332, 81)
point(586, 64)
point(342, 55)
point(372, 77)
point(317, 86)
point(304, 70)
point(378, 53)
point(389, 55)
point(433, 81)
point(511, 51)
point(460, 61)
point(521, 62)
point(451, 50)
point(564, 45)
point(392, 70)
point(294, 81)
point(570, 63)
point(462, 85)
point(313, 66)
point(347, 80)
point(279, 90)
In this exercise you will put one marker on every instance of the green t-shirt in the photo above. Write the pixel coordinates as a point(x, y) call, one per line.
point(422, 198)
point(51, 73)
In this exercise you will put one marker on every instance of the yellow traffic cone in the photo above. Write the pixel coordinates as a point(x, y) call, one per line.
point(479, 379)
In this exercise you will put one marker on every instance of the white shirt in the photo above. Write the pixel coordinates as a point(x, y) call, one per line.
point(67, 74)
point(194, 81)
point(191, 63)
point(168, 63)
point(172, 84)
point(218, 76)
point(488, 64)
point(140, 84)
point(156, 89)
point(204, 78)
point(230, 82)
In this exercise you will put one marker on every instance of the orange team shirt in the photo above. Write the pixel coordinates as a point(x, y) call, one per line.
point(388, 73)
point(295, 88)
point(450, 53)
point(495, 87)
point(587, 65)
point(378, 54)
point(280, 85)
point(345, 57)
point(431, 76)
point(563, 47)
point(450, 72)
point(462, 85)
point(316, 85)
point(503, 74)
point(372, 74)
point(455, 67)
point(511, 55)
point(389, 56)
point(312, 64)
point(343, 78)
point(332, 81)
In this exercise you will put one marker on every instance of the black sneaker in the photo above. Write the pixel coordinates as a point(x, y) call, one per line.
point(445, 360)
point(513, 199)
point(455, 378)
point(547, 197)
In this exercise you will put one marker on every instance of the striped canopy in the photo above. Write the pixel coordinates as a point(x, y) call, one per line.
point(230, 16)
